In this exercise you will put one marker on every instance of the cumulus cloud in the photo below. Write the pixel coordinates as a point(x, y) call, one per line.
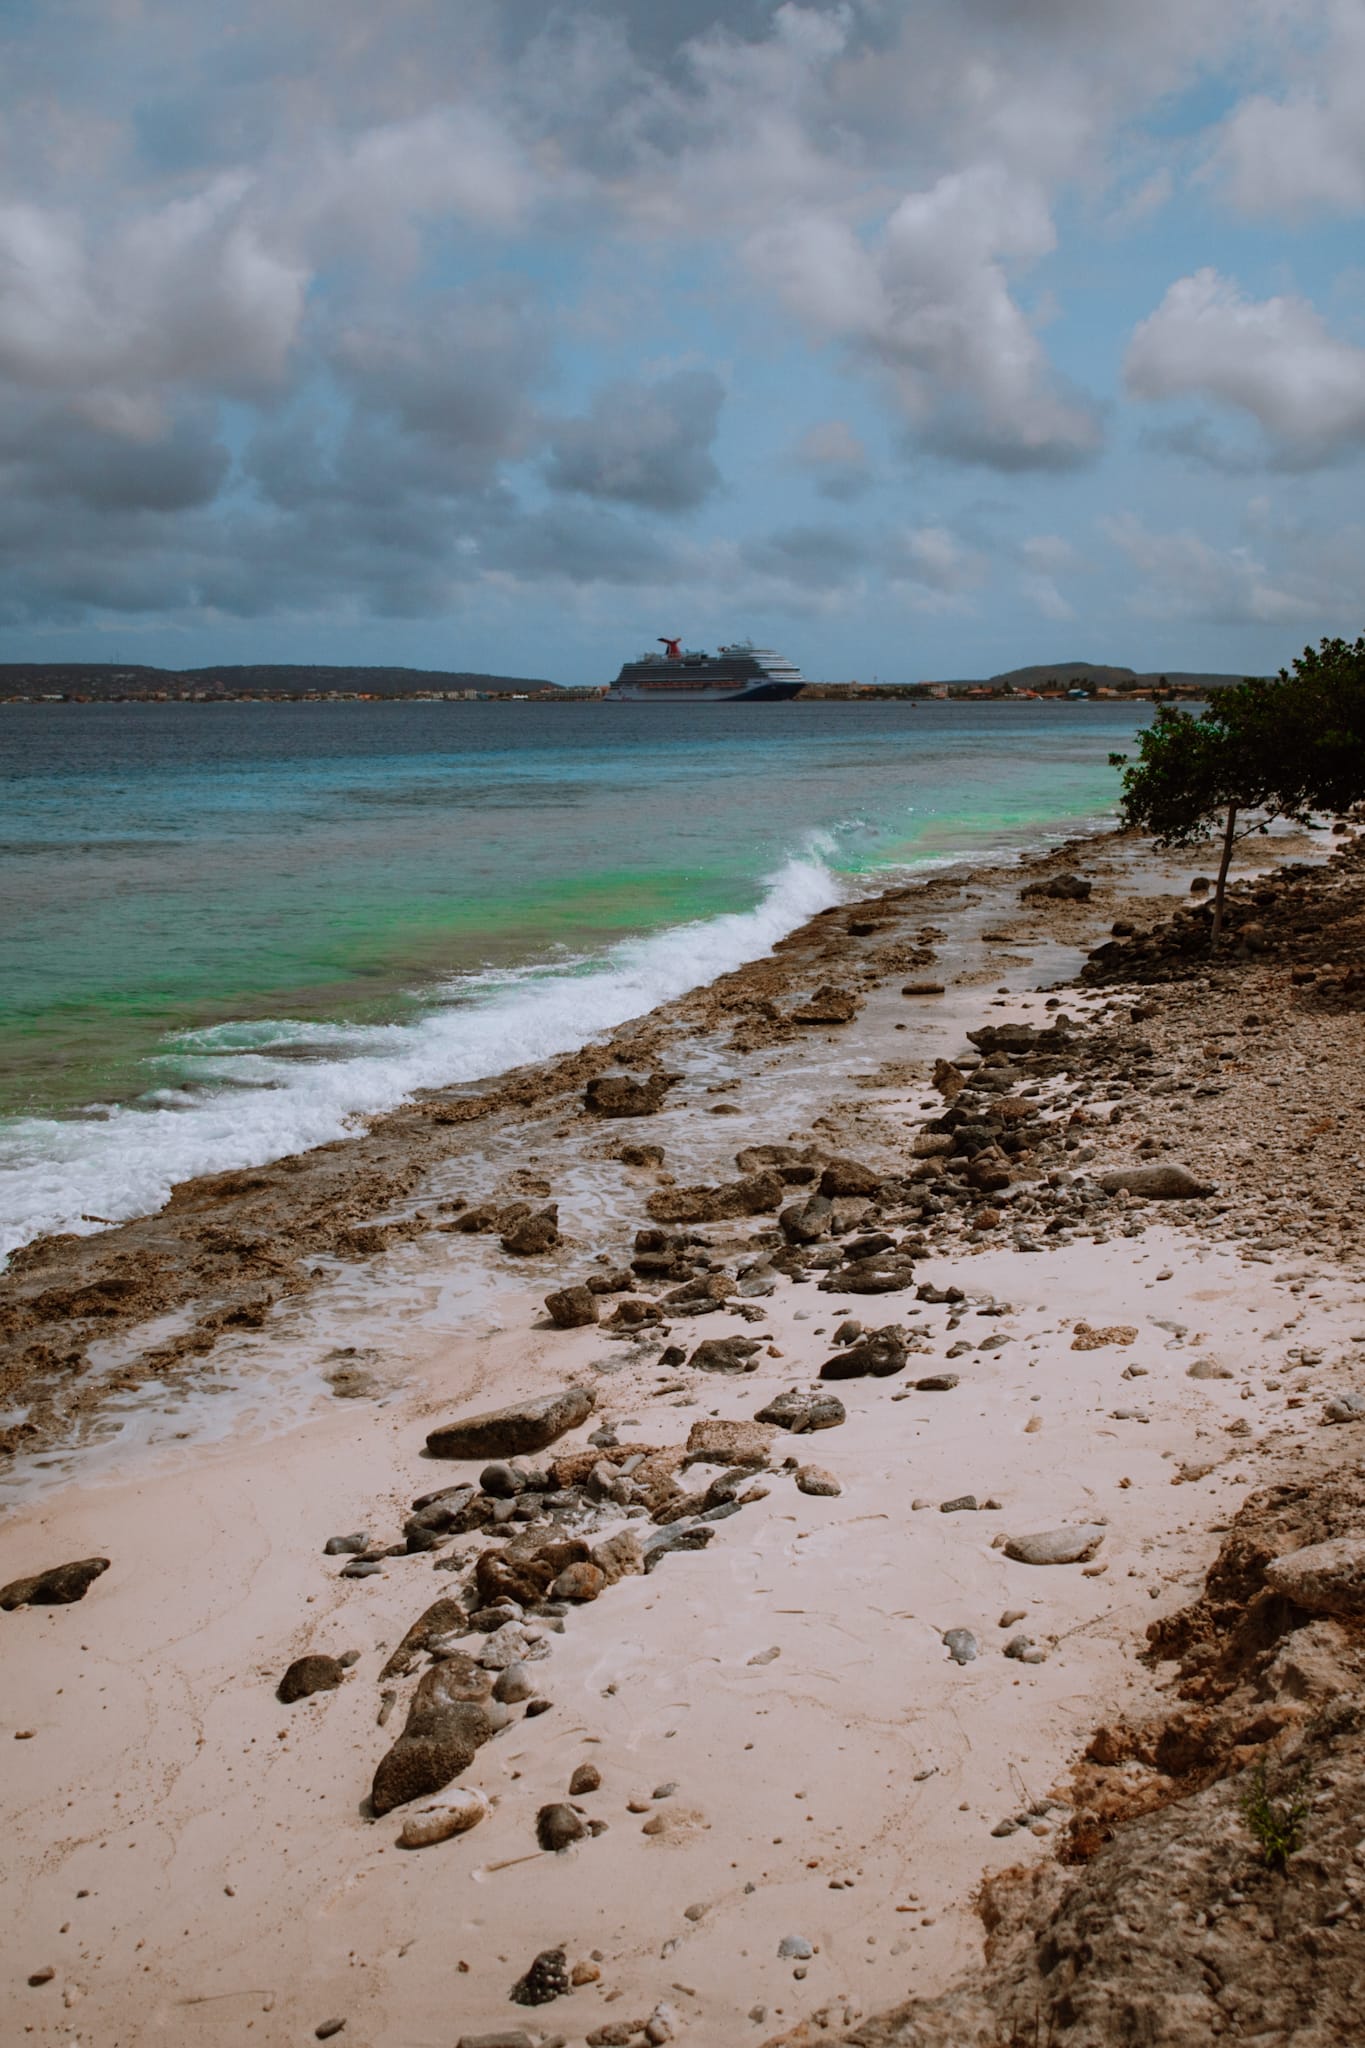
point(1272, 358)
point(1303, 148)
point(1184, 576)
point(929, 304)
point(933, 568)
point(642, 444)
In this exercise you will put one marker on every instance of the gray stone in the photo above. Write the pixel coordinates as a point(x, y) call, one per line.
point(800, 1412)
point(1208, 1369)
point(347, 1546)
point(726, 1354)
point(962, 1503)
point(1342, 1408)
point(794, 1948)
point(1056, 1546)
point(937, 1383)
point(513, 1685)
point(806, 1222)
point(501, 1480)
point(1024, 1650)
point(961, 1645)
point(512, 1432)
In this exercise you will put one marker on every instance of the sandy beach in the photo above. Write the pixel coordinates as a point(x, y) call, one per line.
point(832, 1704)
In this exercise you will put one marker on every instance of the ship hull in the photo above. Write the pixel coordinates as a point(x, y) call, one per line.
point(705, 693)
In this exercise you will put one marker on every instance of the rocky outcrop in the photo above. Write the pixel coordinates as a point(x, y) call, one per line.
point(621, 1095)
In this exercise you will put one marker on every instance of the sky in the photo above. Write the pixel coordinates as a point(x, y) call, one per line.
point(915, 338)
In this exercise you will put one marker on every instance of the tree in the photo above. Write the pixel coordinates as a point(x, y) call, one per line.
point(1263, 749)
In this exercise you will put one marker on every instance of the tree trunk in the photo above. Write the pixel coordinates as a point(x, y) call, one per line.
point(1220, 887)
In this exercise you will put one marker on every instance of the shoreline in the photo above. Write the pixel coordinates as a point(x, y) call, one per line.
point(810, 1625)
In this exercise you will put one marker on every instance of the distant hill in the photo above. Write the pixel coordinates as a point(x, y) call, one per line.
point(1071, 674)
point(108, 680)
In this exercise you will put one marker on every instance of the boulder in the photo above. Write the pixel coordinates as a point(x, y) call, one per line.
point(513, 1431)
point(1341, 1408)
point(1325, 1578)
point(751, 1196)
point(1156, 1183)
point(58, 1586)
point(582, 1582)
point(620, 1556)
point(727, 1354)
point(620, 1095)
point(712, 1441)
point(307, 1675)
point(572, 1308)
point(877, 1355)
point(1056, 1546)
point(807, 1221)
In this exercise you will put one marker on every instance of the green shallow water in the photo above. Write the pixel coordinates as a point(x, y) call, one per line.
point(184, 886)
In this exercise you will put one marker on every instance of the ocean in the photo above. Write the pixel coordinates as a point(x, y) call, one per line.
point(228, 932)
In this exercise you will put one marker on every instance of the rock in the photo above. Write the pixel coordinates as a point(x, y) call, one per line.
point(547, 1979)
point(794, 1948)
point(443, 1731)
point(533, 1234)
point(932, 1144)
point(1060, 888)
point(961, 1645)
point(712, 1441)
point(1088, 1339)
point(1156, 1183)
point(876, 1355)
point(558, 1826)
point(326, 2028)
point(58, 1586)
point(963, 1503)
point(579, 1582)
point(1342, 1408)
point(584, 1973)
point(619, 1556)
point(641, 1155)
point(456, 1814)
point(815, 1479)
point(923, 988)
point(516, 2039)
point(347, 1546)
point(751, 1196)
point(795, 1163)
point(620, 1095)
point(806, 1222)
point(362, 1568)
point(443, 1618)
point(307, 1675)
point(571, 1308)
point(501, 1480)
point(677, 1536)
point(1208, 1369)
point(937, 1383)
point(587, 1778)
point(803, 1412)
point(849, 1177)
point(1024, 1650)
point(513, 1685)
point(727, 1354)
point(1056, 1546)
point(828, 1005)
point(887, 1273)
point(516, 1430)
point(632, 1312)
point(1324, 1578)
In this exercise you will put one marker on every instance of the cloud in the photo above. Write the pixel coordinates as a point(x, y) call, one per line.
point(929, 305)
point(835, 459)
point(642, 444)
point(1303, 150)
point(933, 568)
point(1186, 576)
point(823, 558)
point(1272, 358)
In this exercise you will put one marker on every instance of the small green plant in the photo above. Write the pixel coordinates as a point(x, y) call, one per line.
point(1275, 1820)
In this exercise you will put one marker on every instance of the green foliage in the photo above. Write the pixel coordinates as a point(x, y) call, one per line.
point(1275, 1821)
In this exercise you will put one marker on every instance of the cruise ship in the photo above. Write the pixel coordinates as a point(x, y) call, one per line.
point(738, 674)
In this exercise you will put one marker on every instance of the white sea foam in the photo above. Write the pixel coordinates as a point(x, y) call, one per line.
point(277, 1087)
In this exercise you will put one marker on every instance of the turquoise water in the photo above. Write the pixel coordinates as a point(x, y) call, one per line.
point(228, 930)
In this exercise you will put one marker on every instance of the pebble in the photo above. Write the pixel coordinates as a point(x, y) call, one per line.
point(327, 2029)
point(360, 1568)
point(347, 1546)
point(557, 1826)
point(665, 1791)
point(513, 1685)
point(455, 1814)
point(1010, 1616)
point(961, 1645)
point(766, 1656)
point(962, 1503)
point(1024, 1650)
point(47, 1973)
point(815, 1479)
point(794, 1948)
point(586, 1778)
